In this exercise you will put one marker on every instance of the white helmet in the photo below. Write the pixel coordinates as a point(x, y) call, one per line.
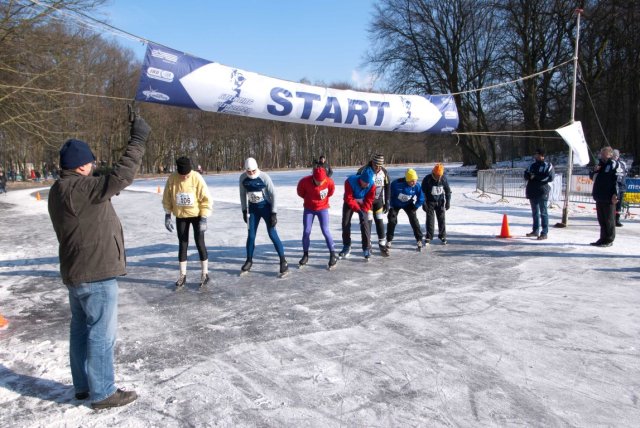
point(250, 164)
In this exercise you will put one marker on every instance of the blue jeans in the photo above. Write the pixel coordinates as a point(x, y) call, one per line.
point(539, 213)
point(92, 337)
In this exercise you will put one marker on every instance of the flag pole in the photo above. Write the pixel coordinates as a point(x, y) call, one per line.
point(567, 192)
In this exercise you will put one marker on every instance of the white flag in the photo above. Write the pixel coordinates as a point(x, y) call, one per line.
point(574, 137)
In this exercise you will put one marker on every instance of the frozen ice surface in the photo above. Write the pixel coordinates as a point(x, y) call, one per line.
point(481, 332)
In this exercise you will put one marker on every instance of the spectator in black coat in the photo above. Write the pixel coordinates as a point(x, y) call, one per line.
point(322, 163)
point(605, 193)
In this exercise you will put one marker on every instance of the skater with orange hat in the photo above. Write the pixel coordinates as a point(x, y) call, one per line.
point(437, 195)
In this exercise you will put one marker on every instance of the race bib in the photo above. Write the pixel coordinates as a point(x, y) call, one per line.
point(185, 199)
point(379, 182)
point(437, 190)
point(255, 197)
point(324, 193)
point(404, 198)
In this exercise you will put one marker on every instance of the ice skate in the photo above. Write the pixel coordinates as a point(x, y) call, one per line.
point(346, 250)
point(419, 245)
point(204, 279)
point(182, 280)
point(444, 241)
point(303, 261)
point(284, 268)
point(384, 251)
point(427, 241)
point(332, 260)
point(246, 267)
point(367, 255)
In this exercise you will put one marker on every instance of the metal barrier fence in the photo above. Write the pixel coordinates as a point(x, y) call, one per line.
point(510, 183)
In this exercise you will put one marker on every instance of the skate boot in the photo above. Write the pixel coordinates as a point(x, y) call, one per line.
point(246, 267)
point(284, 267)
point(204, 279)
point(182, 280)
point(367, 254)
point(384, 251)
point(332, 260)
point(305, 258)
point(419, 245)
point(346, 250)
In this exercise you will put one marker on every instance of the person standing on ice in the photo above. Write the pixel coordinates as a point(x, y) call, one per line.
point(316, 189)
point(381, 201)
point(359, 193)
point(406, 195)
point(186, 196)
point(3, 183)
point(437, 195)
point(622, 184)
point(92, 255)
point(258, 201)
point(605, 193)
point(322, 163)
point(538, 176)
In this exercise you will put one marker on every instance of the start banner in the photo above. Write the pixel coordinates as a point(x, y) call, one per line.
point(175, 78)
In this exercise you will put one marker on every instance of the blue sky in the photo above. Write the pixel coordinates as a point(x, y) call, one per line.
point(324, 41)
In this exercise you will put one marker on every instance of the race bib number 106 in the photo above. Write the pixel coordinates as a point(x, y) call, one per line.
point(185, 199)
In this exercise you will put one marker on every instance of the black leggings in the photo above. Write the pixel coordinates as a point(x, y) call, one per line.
point(182, 227)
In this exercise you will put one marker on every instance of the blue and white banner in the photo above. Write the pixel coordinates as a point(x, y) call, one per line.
point(174, 78)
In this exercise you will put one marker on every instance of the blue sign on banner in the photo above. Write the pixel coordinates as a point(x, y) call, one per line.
point(174, 78)
point(632, 194)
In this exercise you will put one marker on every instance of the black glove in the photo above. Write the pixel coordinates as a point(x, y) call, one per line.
point(244, 215)
point(447, 205)
point(203, 224)
point(274, 219)
point(140, 129)
point(424, 207)
point(385, 207)
point(167, 222)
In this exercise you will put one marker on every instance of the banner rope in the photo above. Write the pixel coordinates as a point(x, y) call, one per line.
point(60, 92)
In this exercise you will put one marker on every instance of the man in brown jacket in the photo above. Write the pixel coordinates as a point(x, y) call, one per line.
point(92, 255)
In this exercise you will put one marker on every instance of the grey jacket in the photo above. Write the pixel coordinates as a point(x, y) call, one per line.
point(88, 229)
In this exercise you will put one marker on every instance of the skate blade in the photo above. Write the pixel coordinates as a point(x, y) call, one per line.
point(244, 273)
point(283, 274)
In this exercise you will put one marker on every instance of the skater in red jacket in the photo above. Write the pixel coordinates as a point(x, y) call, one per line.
point(316, 190)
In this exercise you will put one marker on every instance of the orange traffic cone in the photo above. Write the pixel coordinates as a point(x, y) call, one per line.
point(504, 233)
point(38, 196)
point(4, 323)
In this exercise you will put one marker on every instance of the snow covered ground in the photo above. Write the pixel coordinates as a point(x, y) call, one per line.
point(481, 332)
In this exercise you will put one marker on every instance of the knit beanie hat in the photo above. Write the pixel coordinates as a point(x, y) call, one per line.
point(411, 175)
point(438, 170)
point(75, 153)
point(250, 164)
point(367, 176)
point(184, 165)
point(319, 174)
point(378, 160)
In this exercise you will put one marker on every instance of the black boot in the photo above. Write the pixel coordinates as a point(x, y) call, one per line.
point(246, 267)
point(284, 267)
point(333, 259)
point(305, 258)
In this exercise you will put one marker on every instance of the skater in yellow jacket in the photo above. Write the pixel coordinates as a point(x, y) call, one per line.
point(186, 196)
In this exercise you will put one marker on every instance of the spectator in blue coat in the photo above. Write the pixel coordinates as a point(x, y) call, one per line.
point(406, 195)
point(538, 176)
point(437, 194)
point(605, 193)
